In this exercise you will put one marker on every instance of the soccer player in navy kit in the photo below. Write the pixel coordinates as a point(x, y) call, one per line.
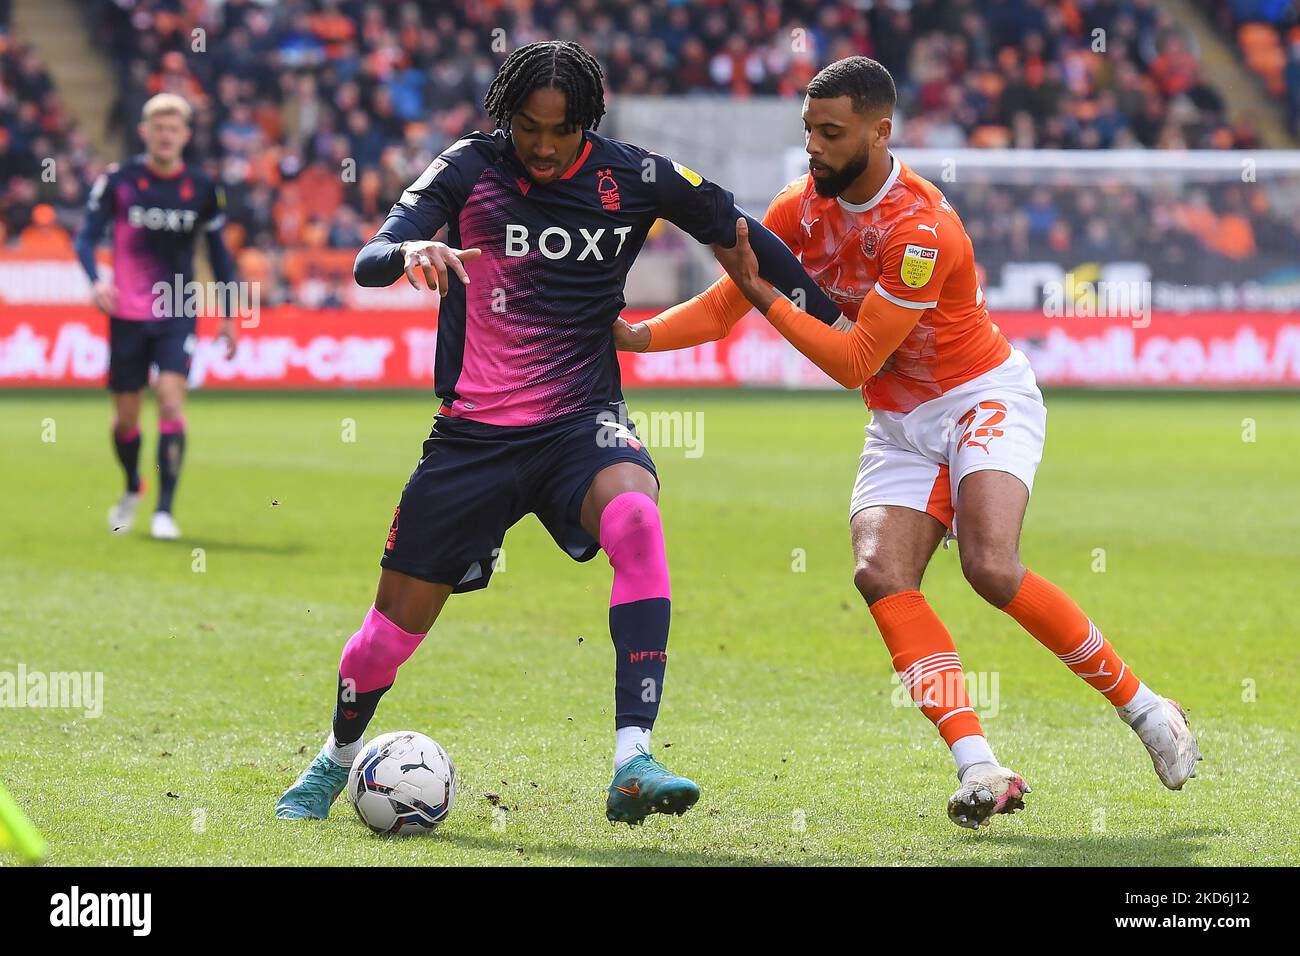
point(545, 218)
point(157, 207)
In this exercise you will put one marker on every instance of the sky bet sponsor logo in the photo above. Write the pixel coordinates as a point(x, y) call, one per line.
point(75, 909)
point(557, 243)
point(167, 220)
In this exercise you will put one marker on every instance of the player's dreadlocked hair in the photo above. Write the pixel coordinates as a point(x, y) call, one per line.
point(557, 64)
point(864, 80)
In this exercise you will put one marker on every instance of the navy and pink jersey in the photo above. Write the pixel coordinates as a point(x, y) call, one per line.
point(530, 338)
point(155, 221)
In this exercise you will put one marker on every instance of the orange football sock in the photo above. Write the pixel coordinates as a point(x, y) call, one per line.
point(927, 663)
point(1048, 613)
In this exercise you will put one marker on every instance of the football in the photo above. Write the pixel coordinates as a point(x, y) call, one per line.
point(402, 783)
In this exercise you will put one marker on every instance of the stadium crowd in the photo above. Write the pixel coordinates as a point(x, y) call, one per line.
point(1268, 36)
point(316, 113)
point(46, 162)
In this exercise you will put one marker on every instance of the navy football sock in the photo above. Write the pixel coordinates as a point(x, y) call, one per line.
point(126, 442)
point(171, 451)
point(354, 710)
point(640, 633)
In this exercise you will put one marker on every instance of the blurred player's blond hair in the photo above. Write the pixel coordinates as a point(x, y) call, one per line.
point(166, 104)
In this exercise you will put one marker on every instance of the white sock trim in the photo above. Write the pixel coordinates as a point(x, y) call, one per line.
point(342, 754)
point(1142, 701)
point(971, 750)
point(627, 740)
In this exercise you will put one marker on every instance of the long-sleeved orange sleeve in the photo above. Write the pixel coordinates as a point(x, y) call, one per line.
point(707, 317)
point(849, 358)
point(713, 313)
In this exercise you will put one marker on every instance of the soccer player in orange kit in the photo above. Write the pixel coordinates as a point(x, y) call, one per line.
point(957, 424)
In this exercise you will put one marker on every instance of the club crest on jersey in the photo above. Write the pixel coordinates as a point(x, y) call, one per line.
point(607, 189)
point(917, 266)
point(690, 175)
point(870, 241)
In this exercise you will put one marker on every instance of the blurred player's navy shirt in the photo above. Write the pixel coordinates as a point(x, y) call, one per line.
point(530, 337)
point(156, 220)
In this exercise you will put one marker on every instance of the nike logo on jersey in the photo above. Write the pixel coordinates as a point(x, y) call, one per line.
point(930, 229)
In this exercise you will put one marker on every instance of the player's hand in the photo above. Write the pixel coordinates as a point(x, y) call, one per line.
point(104, 293)
point(227, 332)
point(431, 260)
point(742, 266)
point(631, 338)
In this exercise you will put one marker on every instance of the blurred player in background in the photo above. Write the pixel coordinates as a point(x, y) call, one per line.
point(549, 217)
point(157, 207)
point(957, 424)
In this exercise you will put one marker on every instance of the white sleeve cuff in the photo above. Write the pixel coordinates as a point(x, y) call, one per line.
point(904, 302)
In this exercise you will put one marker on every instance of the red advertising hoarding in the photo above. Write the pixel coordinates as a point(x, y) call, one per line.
point(66, 346)
point(51, 336)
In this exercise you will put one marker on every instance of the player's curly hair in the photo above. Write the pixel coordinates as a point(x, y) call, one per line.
point(864, 80)
point(557, 64)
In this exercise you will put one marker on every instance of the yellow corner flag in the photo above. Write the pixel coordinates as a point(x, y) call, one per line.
point(17, 832)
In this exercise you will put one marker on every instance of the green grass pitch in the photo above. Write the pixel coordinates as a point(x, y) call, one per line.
point(218, 682)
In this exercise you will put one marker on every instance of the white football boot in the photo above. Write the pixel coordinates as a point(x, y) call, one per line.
point(1174, 751)
point(122, 515)
point(164, 527)
point(986, 789)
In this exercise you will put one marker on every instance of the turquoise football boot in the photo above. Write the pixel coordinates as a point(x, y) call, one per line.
point(643, 786)
point(313, 793)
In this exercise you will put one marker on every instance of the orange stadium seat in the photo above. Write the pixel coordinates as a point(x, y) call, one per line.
point(1262, 49)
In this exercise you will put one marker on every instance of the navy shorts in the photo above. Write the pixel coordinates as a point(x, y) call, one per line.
point(474, 481)
point(135, 345)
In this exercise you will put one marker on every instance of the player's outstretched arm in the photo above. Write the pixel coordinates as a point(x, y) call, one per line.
point(781, 267)
point(849, 359)
point(707, 317)
point(404, 243)
point(402, 248)
point(707, 211)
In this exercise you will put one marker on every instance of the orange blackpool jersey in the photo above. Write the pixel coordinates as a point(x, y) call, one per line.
point(908, 244)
